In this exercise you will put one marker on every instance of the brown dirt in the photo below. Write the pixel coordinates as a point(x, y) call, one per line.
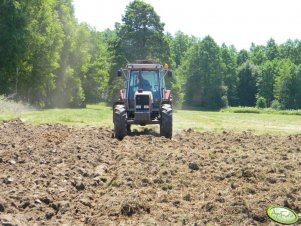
point(58, 175)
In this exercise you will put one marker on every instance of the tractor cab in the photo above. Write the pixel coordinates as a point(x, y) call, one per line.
point(140, 80)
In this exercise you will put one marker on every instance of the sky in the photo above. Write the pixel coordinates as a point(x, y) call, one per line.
point(233, 22)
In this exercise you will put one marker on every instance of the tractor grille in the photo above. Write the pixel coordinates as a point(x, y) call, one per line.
point(142, 100)
point(142, 103)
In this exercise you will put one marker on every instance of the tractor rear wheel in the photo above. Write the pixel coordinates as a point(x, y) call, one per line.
point(166, 121)
point(119, 119)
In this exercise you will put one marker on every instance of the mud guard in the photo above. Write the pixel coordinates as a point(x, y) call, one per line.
point(167, 99)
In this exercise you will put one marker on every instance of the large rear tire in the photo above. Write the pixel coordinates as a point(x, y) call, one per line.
point(119, 119)
point(166, 121)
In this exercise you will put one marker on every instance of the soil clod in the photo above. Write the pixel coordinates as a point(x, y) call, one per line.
point(193, 166)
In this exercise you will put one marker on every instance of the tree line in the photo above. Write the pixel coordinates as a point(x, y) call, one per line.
point(49, 59)
point(265, 76)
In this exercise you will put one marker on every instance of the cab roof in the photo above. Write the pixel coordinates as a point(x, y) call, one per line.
point(145, 66)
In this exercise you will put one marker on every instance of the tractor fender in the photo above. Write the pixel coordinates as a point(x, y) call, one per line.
point(167, 95)
point(122, 95)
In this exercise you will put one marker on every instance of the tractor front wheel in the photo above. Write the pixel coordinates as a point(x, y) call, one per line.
point(166, 121)
point(128, 128)
point(119, 119)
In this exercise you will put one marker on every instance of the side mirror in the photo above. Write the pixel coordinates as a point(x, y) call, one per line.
point(119, 73)
point(169, 73)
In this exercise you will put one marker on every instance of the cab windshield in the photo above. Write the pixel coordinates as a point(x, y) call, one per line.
point(145, 80)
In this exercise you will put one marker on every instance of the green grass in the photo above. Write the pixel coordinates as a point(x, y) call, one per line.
point(228, 121)
point(7, 116)
point(101, 116)
point(94, 115)
point(261, 110)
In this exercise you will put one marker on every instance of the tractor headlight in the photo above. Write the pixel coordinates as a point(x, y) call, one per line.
point(138, 106)
point(146, 107)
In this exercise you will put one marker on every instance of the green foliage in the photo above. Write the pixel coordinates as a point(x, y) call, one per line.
point(141, 36)
point(95, 80)
point(178, 85)
point(73, 58)
point(242, 57)
point(224, 101)
point(180, 45)
point(275, 105)
point(229, 57)
point(291, 50)
point(246, 89)
point(48, 59)
point(204, 84)
point(261, 102)
point(285, 67)
point(290, 89)
point(257, 54)
point(45, 35)
point(13, 41)
point(266, 80)
point(34, 49)
point(272, 51)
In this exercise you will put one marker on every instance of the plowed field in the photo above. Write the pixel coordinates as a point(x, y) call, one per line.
point(59, 175)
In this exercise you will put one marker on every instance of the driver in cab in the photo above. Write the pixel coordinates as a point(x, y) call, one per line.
point(144, 84)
